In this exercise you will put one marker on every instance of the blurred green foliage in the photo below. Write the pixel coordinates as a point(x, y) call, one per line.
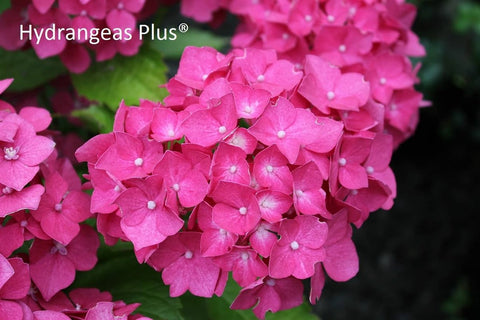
point(450, 73)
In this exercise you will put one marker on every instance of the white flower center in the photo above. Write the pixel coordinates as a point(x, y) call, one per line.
point(383, 81)
point(188, 254)
point(176, 187)
point(342, 161)
point(247, 109)
point(261, 78)
point(281, 134)
point(243, 211)
point(342, 48)
point(270, 282)
point(204, 77)
point(58, 207)
point(330, 95)
point(294, 245)
point(222, 231)
point(245, 256)
point(233, 169)
point(285, 36)
point(171, 133)
point(11, 153)
point(222, 129)
point(354, 192)
point(24, 223)
point(269, 168)
point(138, 162)
point(330, 18)
point(60, 248)
point(7, 190)
point(298, 193)
point(151, 205)
point(117, 189)
point(370, 169)
point(308, 18)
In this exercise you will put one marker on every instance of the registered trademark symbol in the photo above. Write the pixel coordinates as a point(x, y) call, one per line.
point(183, 27)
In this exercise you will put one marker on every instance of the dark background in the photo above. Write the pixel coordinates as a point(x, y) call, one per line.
point(420, 259)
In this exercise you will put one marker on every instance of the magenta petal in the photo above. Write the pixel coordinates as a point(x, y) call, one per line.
point(49, 315)
point(28, 198)
point(76, 58)
point(10, 310)
point(18, 285)
point(82, 251)
point(52, 273)
point(341, 262)
point(43, 5)
point(38, 117)
point(120, 19)
point(6, 270)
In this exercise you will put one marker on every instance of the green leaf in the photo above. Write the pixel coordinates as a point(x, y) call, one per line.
point(27, 69)
point(173, 49)
point(119, 273)
point(219, 308)
point(96, 118)
point(4, 5)
point(128, 78)
point(467, 17)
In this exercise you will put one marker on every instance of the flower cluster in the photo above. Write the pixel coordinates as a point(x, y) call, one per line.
point(68, 27)
point(41, 208)
point(267, 162)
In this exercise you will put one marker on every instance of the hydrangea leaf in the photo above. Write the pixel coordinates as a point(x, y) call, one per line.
point(193, 37)
point(219, 308)
point(96, 118)
point(119, 273)
point(27, 70)
point(128, 78)
point(4, 5)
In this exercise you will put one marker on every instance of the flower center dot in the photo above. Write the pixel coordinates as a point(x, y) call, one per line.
point(204, 77)
point(370, 169)
point(298, 193)
point(176, 187)
point(342, 48)
point(222, 231)
point(330, 18)
point(281, 134)
point(188, 254)
point(285, 36)
point(269, 168)
point(11, 153)
point(138, 162)
point(342, 161)
point(171, 133)
point(7, 190)
point(83, 12)
point(330, 95)
point(151, 205)
point(247, 109)
point(243, 211)
point(383, 81)
point(261, 78)
point(270, 282)
point(354, 192)
point(222, 129)
point(120, 6)
point(294, 245)
point(233, 169)
point(245, 256)
point(117, 189)
point(308, 18)
point(24, 223)
point(58, 207)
